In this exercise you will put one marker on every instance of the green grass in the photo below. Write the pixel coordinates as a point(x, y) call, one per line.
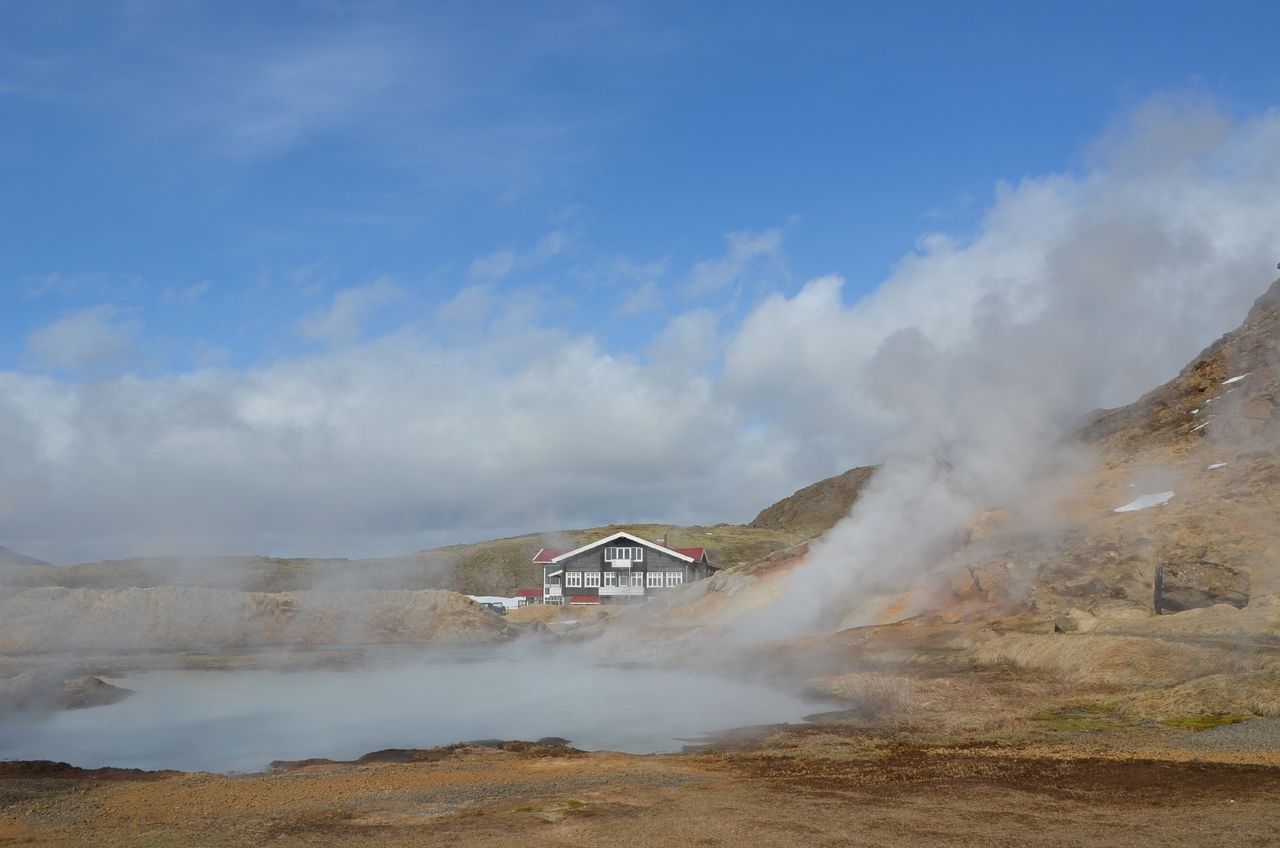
point(557, 811)
point(1204, 722)
point(1100, 715)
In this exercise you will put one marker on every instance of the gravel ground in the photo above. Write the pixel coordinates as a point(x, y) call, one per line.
point(1258, 734)
point(896, 796)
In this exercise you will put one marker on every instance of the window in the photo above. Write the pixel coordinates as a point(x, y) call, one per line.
point(637, 580)
point(674, 578)
point(573, 579)
point(624, 554)
point(592, 579)
point(655, 580)
point(611, 578)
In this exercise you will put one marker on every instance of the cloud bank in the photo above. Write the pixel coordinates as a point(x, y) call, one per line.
point(1075, 291)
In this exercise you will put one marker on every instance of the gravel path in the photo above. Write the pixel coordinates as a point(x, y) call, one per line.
point(1258, 734)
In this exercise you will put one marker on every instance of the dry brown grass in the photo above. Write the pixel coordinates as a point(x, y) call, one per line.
point(544, 613)
point(1125, 661)
point(1256, 693)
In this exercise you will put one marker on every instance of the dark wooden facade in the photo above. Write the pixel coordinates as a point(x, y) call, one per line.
point(589, 573)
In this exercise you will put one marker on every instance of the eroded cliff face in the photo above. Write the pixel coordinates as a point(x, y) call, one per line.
point(54, 619)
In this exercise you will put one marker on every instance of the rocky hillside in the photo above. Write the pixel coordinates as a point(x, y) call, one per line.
point(815, 509)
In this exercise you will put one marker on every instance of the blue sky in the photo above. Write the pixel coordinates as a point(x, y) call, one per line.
point(261, 156)
point(223, 189)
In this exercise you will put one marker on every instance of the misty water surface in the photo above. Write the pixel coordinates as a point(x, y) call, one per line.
point(242, 720)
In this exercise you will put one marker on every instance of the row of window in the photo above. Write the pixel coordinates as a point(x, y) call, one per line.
point(592, 579)
point(632, 554)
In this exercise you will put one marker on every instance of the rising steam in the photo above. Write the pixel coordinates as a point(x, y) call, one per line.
point(1127, 274)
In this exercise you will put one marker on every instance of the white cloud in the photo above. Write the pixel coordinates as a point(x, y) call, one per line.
point(80, 285)
point(493, 266)
point(186, 294)
point(639, 283)
point(745, 251)
point(1076, 291)
point(500, 264)
point(263, 103)
point(646, 297)
point(91, 341)
point(344, 321)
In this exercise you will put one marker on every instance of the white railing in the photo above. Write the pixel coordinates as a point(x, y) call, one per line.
point(551, 590)
point(622, 590)
point(619, 563)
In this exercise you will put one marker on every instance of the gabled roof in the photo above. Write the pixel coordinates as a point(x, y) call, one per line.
point(547, 556)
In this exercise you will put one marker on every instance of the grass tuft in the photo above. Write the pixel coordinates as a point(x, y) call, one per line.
point(1204, 722)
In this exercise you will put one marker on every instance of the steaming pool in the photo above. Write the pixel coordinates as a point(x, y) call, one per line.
point(241, 720)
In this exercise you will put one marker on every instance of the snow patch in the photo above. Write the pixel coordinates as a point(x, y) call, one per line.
point(1198, 426)
point(1235, 379)
point(1145, 502)
point(1217, 465)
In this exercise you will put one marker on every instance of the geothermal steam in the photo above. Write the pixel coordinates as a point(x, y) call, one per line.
point(1133, 269)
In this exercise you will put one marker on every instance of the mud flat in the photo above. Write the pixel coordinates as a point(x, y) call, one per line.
point(797, 786)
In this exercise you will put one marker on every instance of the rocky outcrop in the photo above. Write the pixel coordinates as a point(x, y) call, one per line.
point(1194, 585)
point(48, 691)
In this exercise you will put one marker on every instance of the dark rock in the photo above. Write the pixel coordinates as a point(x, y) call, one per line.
point(43, 769)
point(50, 691)
point(1193, 585)
point(552, 740)
point(87, 691)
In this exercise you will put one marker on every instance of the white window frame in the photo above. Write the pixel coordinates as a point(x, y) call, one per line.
point(629, 554)
point(611, 578)
point(573, 579)
point(674, 578)
point(591, 579)
point(654, 581)
point(637, 579)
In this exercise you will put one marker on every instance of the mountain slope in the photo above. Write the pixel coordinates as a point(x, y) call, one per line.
point(8, 557)
point(816, 508)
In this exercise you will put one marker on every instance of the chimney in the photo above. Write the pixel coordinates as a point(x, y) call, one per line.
point(664, 539)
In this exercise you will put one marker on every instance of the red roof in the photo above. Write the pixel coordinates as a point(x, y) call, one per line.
point(693, 553)
point(545, 555)
point(528, 593)
point(584, 599)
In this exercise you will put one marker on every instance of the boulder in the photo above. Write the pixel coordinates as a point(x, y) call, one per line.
point(1197, 584)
